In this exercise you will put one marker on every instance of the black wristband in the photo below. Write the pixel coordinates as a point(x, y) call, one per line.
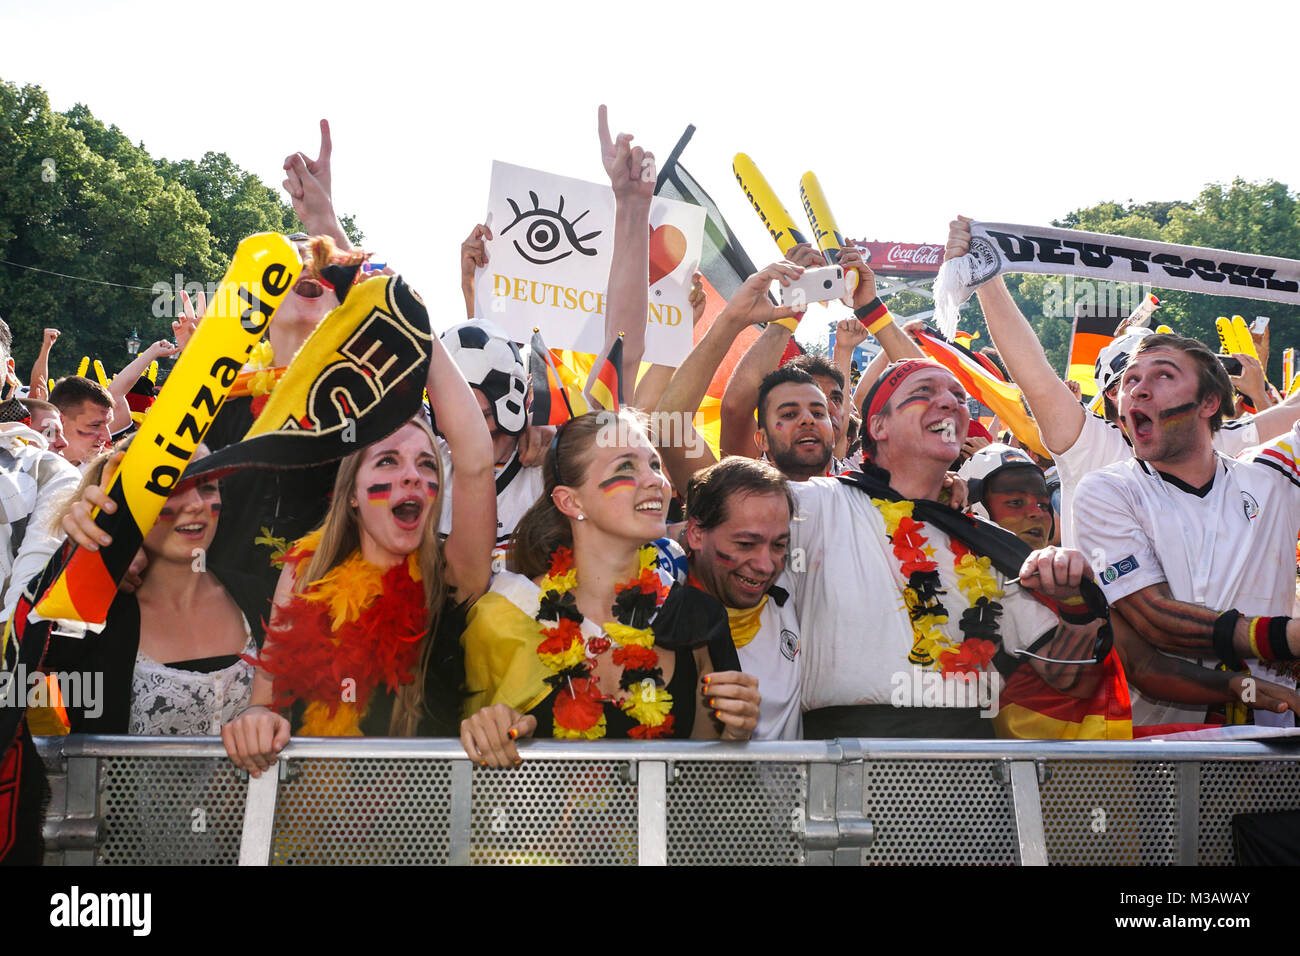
point(862, 312)
point(1277, 642)
point(1224, 626)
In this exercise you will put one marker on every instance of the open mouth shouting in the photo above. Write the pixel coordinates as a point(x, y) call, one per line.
point(308, 288)
point(1140, 425)
point(408, 511)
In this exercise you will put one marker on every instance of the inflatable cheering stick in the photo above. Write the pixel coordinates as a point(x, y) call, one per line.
point(262, 272)
point(780, 225)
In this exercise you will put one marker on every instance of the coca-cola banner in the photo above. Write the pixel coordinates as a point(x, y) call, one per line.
point(997, 247)
point(900, 258)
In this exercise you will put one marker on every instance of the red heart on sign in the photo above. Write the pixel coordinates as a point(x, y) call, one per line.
point(667, 250)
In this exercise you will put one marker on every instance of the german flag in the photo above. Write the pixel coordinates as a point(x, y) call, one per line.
point(1032, 710)
point(550, 400)
point(1091, 334)
point(605, 386)
point(982, 381)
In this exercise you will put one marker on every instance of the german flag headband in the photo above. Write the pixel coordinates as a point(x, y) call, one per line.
point(888, 383)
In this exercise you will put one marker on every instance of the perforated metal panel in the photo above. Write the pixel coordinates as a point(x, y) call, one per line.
point(581, 811)
point(938, 812)
point(730, 813)
point(363, 810)
point(1230, 788)
point(171, 811)
point(1121, 813)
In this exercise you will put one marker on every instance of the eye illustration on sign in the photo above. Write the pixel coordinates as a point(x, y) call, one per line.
point(547, 236)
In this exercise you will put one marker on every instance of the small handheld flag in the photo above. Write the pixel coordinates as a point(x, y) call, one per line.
point(605, 386)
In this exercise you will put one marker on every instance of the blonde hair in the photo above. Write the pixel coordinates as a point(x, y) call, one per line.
point(340, 537)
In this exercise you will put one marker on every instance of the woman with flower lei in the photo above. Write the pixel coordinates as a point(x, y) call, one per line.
point(588, 640)
point(363, 631)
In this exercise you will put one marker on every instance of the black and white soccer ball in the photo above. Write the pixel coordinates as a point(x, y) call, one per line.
point(492, 364)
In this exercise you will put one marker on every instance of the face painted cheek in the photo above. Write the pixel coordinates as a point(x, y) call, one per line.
point(431, 490)
point(726, 560)
point(911, 400)
point(618, 483)
point(379, 494)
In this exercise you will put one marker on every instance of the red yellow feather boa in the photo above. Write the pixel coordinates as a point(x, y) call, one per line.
point(347, 633)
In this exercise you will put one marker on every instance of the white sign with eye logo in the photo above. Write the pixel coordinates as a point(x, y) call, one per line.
point(549, 258)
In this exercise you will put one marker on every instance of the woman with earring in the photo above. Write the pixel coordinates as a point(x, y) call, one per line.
point(589, 635)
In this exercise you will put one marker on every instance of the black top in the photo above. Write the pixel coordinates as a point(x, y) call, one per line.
point(289, 502)
point(113, 651)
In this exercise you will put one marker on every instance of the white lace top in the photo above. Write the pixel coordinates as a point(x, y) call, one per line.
point(165, 700)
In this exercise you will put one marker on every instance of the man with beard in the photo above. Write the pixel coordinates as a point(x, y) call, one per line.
point(737, 536)
point(896, 597)
point(1197, 548)
point(794, 424)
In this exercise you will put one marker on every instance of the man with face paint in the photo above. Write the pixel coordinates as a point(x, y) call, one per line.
point(737, 536)
point(1195, 549)
point(871, 551)
point(1081, 442)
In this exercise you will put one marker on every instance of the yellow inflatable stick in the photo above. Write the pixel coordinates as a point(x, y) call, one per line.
point(1164, 330)
point(1295, 383)
point(153, 372)
point(1288, 368)
point(262, 272)
point(826, 233)
point(760, 195)
point(100, 375)
point(1227, 335)
point(1245, 344)
point(84, 367)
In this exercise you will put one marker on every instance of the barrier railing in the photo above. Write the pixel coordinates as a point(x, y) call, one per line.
point(169, 800)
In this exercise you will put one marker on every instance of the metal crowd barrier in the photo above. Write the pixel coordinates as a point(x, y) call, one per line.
point(176, 801)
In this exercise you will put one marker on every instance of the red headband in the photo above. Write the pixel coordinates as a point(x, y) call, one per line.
point(889, 382)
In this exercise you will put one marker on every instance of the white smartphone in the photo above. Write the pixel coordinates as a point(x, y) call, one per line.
point(1259, 325)
point(820, 285)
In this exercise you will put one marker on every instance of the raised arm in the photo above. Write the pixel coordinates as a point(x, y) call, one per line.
point(39, 384)
point(631, 172)
point(473, 256)
point(686, 389)
point(130, 374)
point(898, 345)
point(468, 549)
point(1059, 416)
point(309, 183)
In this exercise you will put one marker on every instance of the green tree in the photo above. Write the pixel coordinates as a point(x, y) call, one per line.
point(82, 200)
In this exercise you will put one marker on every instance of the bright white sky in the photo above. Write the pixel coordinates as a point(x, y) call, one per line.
point(907, 112)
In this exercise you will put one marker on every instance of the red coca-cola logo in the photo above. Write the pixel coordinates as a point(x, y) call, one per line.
point(901, 257)
point(917, 255)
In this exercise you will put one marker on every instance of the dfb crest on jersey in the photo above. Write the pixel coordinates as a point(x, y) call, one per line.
point(491, 363)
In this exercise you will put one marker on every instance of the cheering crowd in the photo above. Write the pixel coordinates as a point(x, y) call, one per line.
point(862, 560)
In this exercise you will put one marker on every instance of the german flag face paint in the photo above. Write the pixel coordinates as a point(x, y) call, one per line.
point(379, 494)
point(618, 483)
